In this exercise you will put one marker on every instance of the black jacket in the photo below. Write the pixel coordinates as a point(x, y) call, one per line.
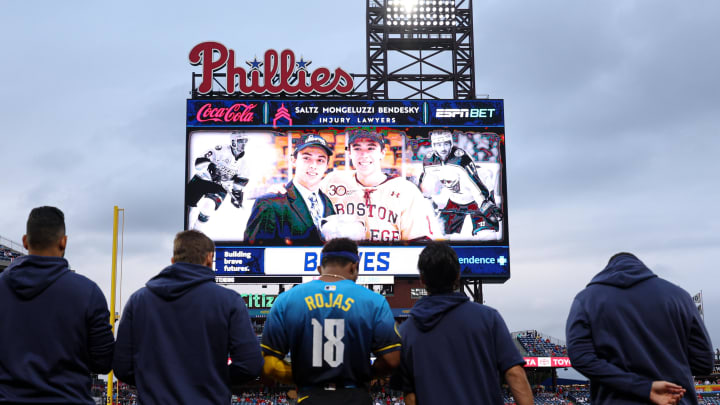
point(454, 352)
point(176, 335)
point(629, 328)
point(54, 332)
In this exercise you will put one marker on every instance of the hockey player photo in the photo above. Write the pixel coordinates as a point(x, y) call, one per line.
point(221, 174)
point(452, 179)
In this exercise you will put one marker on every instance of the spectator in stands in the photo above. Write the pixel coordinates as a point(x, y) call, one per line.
point(629, 330)
point(176, 333)
point(445, 358)
point(55, 323)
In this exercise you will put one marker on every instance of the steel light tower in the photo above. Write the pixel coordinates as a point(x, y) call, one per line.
point(420, 49)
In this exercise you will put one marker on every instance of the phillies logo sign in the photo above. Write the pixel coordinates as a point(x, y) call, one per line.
point(276, 73)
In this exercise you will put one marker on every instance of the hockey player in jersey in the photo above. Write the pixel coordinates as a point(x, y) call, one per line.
point(330, 326)
point(218, 171)
point(390, 208)
point(461, 187)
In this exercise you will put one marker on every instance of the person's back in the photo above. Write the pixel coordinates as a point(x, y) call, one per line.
point(55, 323)
point(629, 328)
point(176, 334)
point(463, 344)
point(455, 351)
point(330, 327)
point(335, 309)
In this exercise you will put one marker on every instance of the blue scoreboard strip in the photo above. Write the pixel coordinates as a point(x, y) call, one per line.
point(327, 113)
point(475, 261)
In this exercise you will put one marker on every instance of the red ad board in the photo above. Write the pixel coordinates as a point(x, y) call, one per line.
point(547, 362)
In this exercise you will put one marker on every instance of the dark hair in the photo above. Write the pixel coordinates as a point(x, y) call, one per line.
point(339, 245)
point(192, 247)
point(439, 266)
point(621, 254)
point(45, 226)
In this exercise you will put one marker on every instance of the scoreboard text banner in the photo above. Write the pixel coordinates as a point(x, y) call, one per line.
point(291, 113)
point(489, 261)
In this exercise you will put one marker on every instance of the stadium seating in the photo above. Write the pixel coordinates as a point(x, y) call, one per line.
point(537, 345)
point(579, 394)
point(7, 253)
point(545, 398)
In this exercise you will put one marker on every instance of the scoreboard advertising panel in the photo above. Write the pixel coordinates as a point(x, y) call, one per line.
point(270, 179)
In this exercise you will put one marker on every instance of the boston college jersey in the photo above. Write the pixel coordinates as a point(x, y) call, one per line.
point(394, 210)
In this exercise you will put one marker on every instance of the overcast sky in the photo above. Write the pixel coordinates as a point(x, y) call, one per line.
point(612, 126)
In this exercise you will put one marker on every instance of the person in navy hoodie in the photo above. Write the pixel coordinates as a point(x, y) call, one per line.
point(55, 323)
point(637, 337)
point(454, 351)
point(176, 334)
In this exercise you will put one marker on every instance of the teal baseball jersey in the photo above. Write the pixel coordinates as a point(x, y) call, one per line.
point(330, 329)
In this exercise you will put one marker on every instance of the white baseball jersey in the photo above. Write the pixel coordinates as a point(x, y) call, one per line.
point(394, 210)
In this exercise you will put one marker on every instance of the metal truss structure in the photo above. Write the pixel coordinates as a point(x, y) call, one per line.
point(413, 61)
point(473, 289)
point(409, 61)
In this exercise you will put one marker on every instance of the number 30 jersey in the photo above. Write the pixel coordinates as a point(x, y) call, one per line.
point(330, 329)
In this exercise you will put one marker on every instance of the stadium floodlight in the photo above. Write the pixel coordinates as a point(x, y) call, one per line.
point(410, 28)
point(420, 13)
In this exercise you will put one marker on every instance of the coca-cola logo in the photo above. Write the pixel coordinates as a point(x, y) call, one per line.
point(280, 73)
point(238, 112)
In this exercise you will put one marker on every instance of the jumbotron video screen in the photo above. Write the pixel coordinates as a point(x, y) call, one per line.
point(270, 180)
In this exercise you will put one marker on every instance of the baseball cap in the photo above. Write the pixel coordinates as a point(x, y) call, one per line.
point(309, 140)
point(357, 134)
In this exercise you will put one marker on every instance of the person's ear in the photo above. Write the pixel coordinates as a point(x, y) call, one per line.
point(62, 243)
point(209, 259)
point(319, 270)
point(172, 260)
point(422, 281)
point(24, 240)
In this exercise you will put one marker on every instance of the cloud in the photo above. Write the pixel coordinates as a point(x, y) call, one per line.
point(611, 129)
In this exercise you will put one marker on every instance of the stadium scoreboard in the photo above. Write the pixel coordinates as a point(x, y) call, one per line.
point(449, 188)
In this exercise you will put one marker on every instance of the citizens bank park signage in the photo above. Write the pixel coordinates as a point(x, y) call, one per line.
point(443, 162)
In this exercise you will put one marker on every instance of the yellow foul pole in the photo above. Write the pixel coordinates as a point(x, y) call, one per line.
point(113, 288)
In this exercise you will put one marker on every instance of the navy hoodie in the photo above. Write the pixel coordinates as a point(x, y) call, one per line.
point(629, 327)
point(54, 332)
point(175, 337)
point(454, 351)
